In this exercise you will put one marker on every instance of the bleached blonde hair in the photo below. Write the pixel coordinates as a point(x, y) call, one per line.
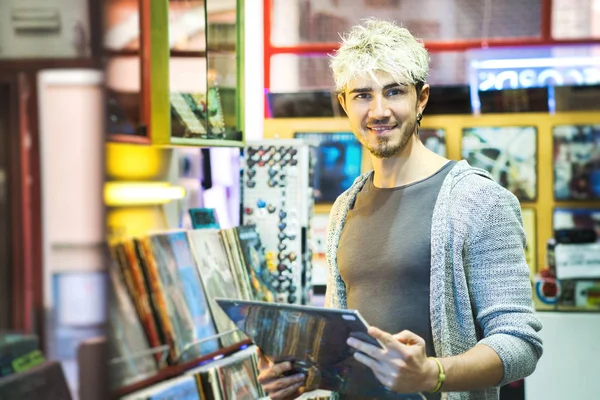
point(378, 45)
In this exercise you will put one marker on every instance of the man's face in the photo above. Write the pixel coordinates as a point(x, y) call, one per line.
point(383, 112)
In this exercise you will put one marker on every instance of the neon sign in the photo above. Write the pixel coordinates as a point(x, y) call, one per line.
point(539, 72)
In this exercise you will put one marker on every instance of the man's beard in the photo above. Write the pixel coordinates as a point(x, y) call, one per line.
point(386, 147)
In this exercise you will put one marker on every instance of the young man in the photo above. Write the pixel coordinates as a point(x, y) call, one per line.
point(430, 251)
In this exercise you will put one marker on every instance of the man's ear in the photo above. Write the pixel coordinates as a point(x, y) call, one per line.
point(423, 98)
point(342, 99)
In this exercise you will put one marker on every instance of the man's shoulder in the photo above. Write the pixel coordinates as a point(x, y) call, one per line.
point(476, 186)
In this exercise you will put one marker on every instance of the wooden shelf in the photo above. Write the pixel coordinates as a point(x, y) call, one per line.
point(173, 53)
point(176, 370)
point(205, 142)
point(124, 138)
point(322, 208)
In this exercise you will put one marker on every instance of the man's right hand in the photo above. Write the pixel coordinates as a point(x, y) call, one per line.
point(275, 385)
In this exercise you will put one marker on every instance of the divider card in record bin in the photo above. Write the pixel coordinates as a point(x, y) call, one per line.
point(508, 153)
point(577, 261)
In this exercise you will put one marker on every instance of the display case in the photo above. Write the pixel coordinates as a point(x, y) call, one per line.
point(174, 72)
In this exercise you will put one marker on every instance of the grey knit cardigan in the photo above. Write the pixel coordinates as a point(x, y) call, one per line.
point(480, 290)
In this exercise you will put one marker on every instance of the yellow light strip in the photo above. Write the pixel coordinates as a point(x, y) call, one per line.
point(121, 194)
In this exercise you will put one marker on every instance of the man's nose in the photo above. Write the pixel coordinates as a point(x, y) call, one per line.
point(379, 108)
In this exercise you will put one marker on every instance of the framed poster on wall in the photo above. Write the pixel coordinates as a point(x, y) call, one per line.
point(576, 162)
point(338, 158)
point(434, 140)
point(577, 218)
point(530, 225)
point(508, 153)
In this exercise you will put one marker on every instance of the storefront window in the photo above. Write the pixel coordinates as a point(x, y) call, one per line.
point(575, 19)
point(319, 21)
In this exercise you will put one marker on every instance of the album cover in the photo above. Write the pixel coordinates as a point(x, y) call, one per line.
point(211, 260)
point(135, 293)
point(236, 263)
point(508, 153)
point(212, 387)
point(253, 254)
point(204, 218)
point(185, 294)
point(155, 300)
point(313, 339)
point(215, 385)
point(126, 335)
point(576, 162)
point(171, 323)
point(188, 115)
point(143, 300)
point(239, 380)
point(216, 118)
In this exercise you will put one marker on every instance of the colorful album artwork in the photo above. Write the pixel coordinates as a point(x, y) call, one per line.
point(434, 140)
point(529, 224)
point(577, 218)
point(188, 114)
point(508, 153)
point(576, 162)
point(239, 380)
point(338, 158)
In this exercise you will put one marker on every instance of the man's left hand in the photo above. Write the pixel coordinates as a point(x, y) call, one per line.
point(402, 365)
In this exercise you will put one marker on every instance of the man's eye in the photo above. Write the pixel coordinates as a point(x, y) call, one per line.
point(394, 92)
point(362, 96)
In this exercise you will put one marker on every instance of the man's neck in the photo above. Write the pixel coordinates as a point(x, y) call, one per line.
point(412, 164)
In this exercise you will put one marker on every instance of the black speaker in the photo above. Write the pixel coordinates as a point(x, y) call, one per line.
point(575, 236)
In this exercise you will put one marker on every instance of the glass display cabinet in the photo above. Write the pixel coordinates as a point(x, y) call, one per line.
point(174, 72)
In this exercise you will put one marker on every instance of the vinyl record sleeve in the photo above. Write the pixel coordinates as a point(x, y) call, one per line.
point(313, 339)
point(211, 260)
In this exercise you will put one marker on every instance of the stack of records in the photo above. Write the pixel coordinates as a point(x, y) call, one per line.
point(164, 286)
point(177, 286)
point(230, 378)
point(183, 387)
point(247, 257)
point(213, 265)
point(126, 335)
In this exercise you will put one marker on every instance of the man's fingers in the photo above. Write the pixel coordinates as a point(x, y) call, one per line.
point(289, 392)
point(263, 362)
point(409, 338)
point(273, 372)
point(366, 348)
point(368, 361)
point(284, 383)
point(384, 337)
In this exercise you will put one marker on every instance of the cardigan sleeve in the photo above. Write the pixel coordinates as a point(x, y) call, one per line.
point(500, 287)
point(331, 289)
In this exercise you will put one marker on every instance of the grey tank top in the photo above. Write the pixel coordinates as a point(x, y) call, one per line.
point(384, 256)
